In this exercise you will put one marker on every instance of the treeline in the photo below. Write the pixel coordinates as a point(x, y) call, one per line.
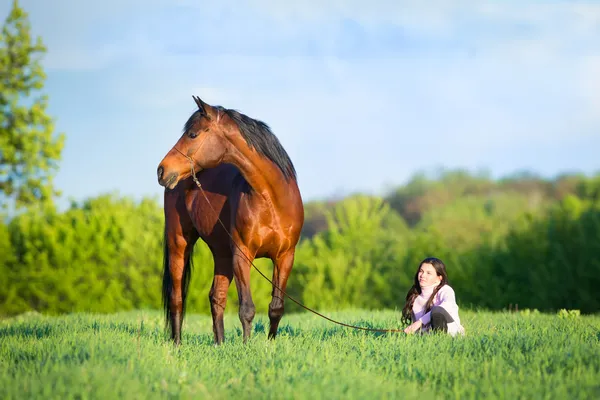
point(519, 240)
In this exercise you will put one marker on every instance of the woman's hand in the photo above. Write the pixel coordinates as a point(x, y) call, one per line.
point(412, 328)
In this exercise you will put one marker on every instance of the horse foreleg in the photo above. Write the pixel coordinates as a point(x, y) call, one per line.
point(175, 283)
point(281, 271)
point(218, 295)
point(241, 271)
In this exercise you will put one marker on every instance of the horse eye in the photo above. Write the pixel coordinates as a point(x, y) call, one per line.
point(193, 135)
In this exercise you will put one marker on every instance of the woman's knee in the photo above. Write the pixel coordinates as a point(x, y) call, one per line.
point(440, 319)
point(441, 312)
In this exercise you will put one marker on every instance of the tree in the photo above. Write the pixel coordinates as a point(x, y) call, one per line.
point(29, 151)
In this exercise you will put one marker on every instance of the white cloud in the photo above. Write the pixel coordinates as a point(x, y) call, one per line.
point(130, 27)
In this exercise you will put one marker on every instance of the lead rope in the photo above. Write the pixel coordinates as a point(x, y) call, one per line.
point(263, 275)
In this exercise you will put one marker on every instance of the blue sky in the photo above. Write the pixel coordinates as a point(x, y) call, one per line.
point(361, 94)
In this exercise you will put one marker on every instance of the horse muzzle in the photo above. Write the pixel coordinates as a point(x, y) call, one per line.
point(169, 180)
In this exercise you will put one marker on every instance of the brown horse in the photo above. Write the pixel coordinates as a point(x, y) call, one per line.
point(251, 184)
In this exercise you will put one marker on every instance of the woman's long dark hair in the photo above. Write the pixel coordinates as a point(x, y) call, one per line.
point(415, 290)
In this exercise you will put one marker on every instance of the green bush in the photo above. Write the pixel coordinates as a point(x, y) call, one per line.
point(105, 255)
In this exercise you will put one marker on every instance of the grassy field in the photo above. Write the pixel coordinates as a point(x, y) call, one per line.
point(504, 355)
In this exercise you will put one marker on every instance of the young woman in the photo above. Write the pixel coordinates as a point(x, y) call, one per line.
point(430, 303)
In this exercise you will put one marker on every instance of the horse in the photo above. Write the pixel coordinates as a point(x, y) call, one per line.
point(250, 184)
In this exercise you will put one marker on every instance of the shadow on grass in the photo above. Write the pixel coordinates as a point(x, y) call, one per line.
point(286, 331)
point(37, 331)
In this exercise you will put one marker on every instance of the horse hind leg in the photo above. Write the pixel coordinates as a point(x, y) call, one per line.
point(218, 294)
point(241, 271)
point(281, 272)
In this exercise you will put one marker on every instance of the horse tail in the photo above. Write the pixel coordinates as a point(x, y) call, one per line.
point(167, 282)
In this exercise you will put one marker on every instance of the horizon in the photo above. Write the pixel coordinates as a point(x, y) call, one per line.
point(362, 97)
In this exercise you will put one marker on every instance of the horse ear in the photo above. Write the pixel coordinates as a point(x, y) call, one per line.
point(201, 105)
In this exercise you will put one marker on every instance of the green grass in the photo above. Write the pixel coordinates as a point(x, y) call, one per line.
point(503, 355)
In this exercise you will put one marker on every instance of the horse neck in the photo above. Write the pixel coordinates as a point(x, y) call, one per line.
point(260, 172)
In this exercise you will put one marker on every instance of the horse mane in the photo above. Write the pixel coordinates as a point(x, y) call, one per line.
point(258, 135)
